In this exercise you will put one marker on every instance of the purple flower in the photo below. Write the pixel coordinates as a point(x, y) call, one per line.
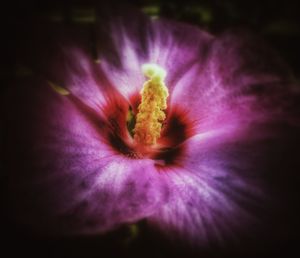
point(75, 168)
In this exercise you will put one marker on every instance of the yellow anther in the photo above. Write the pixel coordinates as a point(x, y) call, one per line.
point(151, 110)
point(58, 89)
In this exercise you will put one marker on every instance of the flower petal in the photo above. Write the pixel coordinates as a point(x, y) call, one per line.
point(242, 80)
point(66, 179)
point(128, 39)
point(229, 183)
point(229, 186)
point(63, 56)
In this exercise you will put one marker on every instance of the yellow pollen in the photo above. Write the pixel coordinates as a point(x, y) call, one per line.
point(58, 89)
point(151, 110)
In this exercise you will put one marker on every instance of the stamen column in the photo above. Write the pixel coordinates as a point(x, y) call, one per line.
point(151, 110)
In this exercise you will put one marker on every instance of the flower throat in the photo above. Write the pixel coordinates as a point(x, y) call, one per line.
point(151, 115)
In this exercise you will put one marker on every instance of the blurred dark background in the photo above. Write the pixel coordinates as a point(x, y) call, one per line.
point(275, 21)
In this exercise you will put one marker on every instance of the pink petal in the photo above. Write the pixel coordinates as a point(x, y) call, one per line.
point(63, 56)
point(125, 44)
point(63, 177)
point(242, 105)
point(229, 187)
point(241, 80)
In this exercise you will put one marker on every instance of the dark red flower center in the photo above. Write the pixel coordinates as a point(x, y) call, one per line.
point(169, 148)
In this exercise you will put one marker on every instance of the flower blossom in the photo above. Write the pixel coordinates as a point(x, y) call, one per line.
point(77, 165)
